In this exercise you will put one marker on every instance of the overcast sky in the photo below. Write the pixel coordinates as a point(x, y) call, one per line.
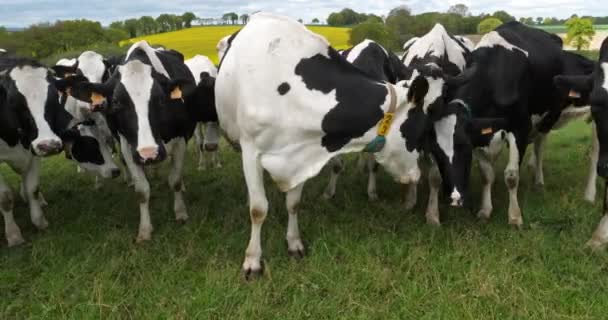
point(20, 13)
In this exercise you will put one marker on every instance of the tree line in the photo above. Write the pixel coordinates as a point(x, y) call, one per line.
point(400, 25)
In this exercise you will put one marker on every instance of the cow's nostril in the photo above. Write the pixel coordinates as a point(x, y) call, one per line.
point(210, 147)
point(115, 173)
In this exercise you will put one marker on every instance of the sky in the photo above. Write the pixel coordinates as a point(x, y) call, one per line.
point(21, 13)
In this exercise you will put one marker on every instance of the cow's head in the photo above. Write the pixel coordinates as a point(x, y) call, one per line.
point(29, 96)
point(140, 98)
point(91, 149)
point(596, 87)
point(441, 127)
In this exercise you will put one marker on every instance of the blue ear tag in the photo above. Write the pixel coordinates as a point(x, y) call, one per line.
point(375, 145)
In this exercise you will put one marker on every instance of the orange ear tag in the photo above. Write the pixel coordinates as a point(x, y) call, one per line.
point(486, 131)
point(176, 94)
point(385, 124)
point(574, 94)
point(97, 99)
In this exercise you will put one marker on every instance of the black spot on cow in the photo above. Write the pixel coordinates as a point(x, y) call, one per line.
point(359, 97)
point(284, 88)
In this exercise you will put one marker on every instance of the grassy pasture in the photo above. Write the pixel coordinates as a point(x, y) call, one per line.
point(365, 260)
point(203, 40)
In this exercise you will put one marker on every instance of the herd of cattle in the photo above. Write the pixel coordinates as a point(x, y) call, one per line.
point(291, 104)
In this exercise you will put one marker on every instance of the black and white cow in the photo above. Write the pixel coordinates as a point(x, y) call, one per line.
point(96, 155)
point(294, 103)
point(441, 51)
point(512, 70)
point(148, 100)
point(595, 86)
point(32, 120)
point(382, 65)
point(205, 72)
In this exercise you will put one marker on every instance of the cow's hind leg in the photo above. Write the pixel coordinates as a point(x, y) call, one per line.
point(142, 189)
point(372, 170)
point(591, 189)
point(432, 209)
point(175, 179)
point(294, 242)
point(337, 165)
point(539, 149)
point(512, 180)
point(488, 176)
point(258, 208)
point(11, 229)
point(198, 139)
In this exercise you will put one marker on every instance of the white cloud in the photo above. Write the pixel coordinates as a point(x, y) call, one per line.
point(26, 12)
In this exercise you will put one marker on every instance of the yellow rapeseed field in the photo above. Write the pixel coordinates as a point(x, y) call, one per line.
point(203, 40)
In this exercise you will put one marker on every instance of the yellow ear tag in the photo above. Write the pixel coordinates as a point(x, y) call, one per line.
point(486, 131)
point(97, 99)
point(574, 94)
point(176, 94)
point(385, 123)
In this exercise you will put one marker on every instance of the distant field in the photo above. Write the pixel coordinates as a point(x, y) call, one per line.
point(562, 28)
point(203, 40)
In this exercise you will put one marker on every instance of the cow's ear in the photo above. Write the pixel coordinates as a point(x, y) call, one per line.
point(207, 80)
point(577, 85)
point(94, 93)
point(180, 88)
point(65, 71)
point(418, 90)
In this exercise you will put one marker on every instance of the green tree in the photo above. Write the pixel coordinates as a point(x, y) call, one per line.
point(374, 18)
point(401, 10)
point(503, 16)
point(187, 18)
point(488, 25)
point(580, 33)
point(315, 21)
point(164, 22)
point(335, 19)
point(460, 9)
point(147, 25)
point(373, 31)
point(244, 18)
point(131, 26)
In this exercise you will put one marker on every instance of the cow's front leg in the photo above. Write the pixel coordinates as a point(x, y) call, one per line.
point(432, 209)
point(198, 139)
point(142, 189)
point(31, 183)
point(294, 242)
point(258, 208)
point(488, 176)
point(175, 179)
point(11, 229)
point(600, 236)
point(539, 149)
point(372, 170)
point(591, 189)
point(411, 195)
point(512, 180)
point(337, 165)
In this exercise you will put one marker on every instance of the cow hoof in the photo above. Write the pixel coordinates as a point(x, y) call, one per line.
point(251, 274)
point(15, 240)
point(298, 254)
point(595, 245)
point(484, 215)
point(41, 224)
point(516, 225)
point(182, 219)
point(373, 197)
point(433, 222)
point(409, 205)
point(296, 249)
point(328, 195)
point(484, 220)
point(143, 237)
point(218, 166)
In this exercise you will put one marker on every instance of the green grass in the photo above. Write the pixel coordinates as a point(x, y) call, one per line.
point(203, 40)
point(365, 260)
